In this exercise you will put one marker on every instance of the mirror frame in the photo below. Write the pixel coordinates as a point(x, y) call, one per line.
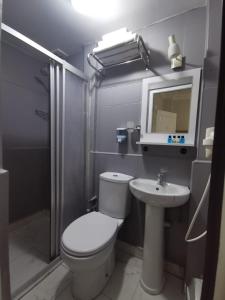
point(172, 80)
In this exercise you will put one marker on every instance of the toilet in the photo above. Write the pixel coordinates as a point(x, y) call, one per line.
point(87, 244)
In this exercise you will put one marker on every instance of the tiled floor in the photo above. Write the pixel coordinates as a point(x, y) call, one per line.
point(28, 248)
point(123, 285)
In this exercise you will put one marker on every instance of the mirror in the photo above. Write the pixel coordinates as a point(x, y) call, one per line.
point(169, 108)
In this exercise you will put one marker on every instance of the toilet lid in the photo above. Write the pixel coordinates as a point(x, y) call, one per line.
point(89, 234)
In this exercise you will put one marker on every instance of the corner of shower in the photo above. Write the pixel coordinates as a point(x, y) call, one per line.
point(39, 106)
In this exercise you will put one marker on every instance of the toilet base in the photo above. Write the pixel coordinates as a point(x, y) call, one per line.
point(88, 285)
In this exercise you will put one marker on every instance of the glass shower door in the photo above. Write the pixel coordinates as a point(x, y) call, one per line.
point(73, 148)
point(43, 112)
point(26, 155)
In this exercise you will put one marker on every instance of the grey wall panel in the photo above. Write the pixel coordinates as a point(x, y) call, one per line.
point(4, 250)
point(196, 251)
point(207, 116)
point(214, 36)
point(119, 100)
point(29, 174)
point(4, 203)
point(26, 152)
point(73, 198)
point(194, 38)
point(122, 101)
point(22, 94)
point(200, 172)
point(211, 69)
point(77, 60)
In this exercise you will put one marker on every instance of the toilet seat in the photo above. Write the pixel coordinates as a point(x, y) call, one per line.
point(89, 234)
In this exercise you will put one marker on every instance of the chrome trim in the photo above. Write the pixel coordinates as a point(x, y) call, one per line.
point(144, 55)
point(4, 244)
point(33, 282)
point(62, 147)
point(53, 160)
point(28, 41)
point(58, 158)
point(116, 153)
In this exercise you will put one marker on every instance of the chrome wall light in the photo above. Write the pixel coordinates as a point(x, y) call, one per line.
point(174, 53)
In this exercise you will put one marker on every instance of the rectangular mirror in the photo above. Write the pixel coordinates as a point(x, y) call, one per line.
point(169, 108)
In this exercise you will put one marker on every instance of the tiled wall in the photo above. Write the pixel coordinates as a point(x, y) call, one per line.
point(118, 100)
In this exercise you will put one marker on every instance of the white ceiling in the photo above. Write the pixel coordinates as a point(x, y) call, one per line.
point(54, 24)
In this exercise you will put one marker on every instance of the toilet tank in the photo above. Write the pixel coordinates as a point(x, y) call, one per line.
point(114, 194)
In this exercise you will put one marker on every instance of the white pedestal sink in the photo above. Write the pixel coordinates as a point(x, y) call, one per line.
point(156, 198)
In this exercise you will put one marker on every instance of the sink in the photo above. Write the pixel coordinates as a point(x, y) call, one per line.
point(168, 195)
point(157, 198)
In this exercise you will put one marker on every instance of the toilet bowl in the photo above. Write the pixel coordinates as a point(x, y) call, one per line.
point(87, 244)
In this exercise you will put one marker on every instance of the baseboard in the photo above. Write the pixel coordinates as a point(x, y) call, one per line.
point(129, 249)
point(174, 269)
point(136, 251)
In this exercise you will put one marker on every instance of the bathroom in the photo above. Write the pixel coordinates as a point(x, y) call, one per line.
point(78, 155)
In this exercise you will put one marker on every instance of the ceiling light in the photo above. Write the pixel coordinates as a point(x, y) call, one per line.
point(97, 9)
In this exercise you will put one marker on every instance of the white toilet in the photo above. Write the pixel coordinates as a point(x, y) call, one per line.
point(87, 244)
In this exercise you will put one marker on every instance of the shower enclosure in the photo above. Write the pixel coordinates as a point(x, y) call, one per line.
point(43, 124)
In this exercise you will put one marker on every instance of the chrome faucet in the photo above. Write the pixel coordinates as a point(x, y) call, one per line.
point(161, 178)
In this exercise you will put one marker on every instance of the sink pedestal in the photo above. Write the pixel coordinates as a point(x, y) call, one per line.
point(152, 280)
point(157, 198)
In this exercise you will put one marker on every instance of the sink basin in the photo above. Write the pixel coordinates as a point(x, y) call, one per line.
point(156, 198)
point(169, 195)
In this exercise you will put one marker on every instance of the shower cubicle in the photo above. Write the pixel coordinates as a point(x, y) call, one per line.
point(43, 126)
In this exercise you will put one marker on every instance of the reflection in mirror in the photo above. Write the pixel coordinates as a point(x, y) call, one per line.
point(170, 111)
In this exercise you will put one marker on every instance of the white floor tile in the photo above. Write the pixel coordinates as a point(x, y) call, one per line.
point(57, 281)
point(65, 295)
point(17, 248)
point(24, 267)
point(172, 291)
point(53, 286)
point(123, 282)
point(102, 297)
point(35, 234)
point(123, 285)
point(28, 249)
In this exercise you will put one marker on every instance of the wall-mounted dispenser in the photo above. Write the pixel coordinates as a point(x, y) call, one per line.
point(121, 135)
point(208, 142)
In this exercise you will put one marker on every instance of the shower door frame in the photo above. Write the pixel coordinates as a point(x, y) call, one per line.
point(58, 67)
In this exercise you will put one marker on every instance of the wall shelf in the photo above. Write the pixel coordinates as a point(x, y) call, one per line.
point(164, 144)
point(121, 54)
